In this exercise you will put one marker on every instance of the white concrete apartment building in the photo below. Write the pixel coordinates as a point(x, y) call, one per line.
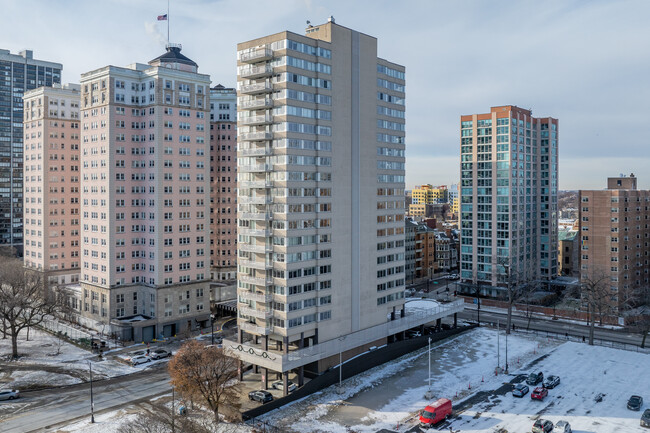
point(51, 194)
point(321, 142)
point(145, 254)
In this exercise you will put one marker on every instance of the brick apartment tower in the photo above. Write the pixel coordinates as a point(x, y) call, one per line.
point(18, 73)
point(145, 196)
point(51, 196)
point(223, 183)
point(614, 239)
point(508, 192)
point(320, 196)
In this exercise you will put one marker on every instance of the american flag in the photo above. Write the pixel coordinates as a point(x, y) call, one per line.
point(162, 17)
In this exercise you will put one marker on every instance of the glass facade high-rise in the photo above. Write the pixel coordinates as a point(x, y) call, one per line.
point(18, 73)
point(508, 194)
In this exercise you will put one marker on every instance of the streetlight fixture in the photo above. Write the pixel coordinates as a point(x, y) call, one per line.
point(92, 402)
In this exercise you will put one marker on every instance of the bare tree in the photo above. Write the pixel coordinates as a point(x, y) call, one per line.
point(595, 293)
point(513, 287)
point(205, 374)
point(160, 418)
point(24, 302)
point(636, 308)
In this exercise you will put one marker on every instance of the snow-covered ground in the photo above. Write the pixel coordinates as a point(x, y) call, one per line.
point(48, 361)
point(392, 394)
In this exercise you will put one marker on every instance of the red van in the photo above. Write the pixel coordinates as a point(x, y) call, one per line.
point(435, 412)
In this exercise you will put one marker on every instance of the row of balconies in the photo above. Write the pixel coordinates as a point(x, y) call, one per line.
point(255, 168)
point(259, 281)
point(256, 104)
point(253, 72)
point(254, 55)
point(263, 119)
point(255, 151)
point(256, 184)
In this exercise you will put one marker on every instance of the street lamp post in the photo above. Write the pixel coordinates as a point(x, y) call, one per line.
point(498, 344)
point(428, 394)
point(92, 402)
point(212, 327)
point(340, 390)
point(506, 353)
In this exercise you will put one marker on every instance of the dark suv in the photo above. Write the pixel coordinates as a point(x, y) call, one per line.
point(535, 378)
point(261, 396)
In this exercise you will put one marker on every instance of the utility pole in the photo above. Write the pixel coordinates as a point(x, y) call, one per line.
point(428, 395)
point(173, 413)
point(212, 327)
point(92, 402)
point(498, 344)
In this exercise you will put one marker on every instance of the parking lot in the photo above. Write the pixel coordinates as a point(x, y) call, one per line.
point(390, 397)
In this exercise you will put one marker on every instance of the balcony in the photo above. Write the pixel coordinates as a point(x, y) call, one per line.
point(254, 329)
point(255, 151)
point(254, 232)
point(255, 248)
point(259, 281)
point(253, 72)
point(256, 104)
point(257, 120)
point(262, 265)
point(256, 136)
point(255, 296)
point(260, 314)
point(255, 200)
point(256, 216)
point(255, 88)
point(256, 55)
point(255, 184)
point(255, 168)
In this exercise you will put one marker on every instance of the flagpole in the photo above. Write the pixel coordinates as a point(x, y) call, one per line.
point(168, 22)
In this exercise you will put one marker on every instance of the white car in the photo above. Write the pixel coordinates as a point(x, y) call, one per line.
point(136, 360)
point(279, 384)
point(562, 427)
point(9, 394)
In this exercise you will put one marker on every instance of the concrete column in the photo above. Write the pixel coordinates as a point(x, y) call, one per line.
point(403, 312)
point(455, 320)
point(285, 344)
point(240, 370)
point(422, 329)
point(392, 313)
point(439, 323)
point(285, 382)
point(301, 375)
point(301, 343)
point(265, 377)
point(265, 342)
point(316, 336)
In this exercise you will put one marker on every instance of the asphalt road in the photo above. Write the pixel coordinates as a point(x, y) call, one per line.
point(556, 326)
point(41, 411)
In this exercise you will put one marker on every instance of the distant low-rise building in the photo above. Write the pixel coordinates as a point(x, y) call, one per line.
point(568, 252)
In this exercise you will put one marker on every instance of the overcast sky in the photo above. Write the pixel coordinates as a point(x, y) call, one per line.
point(586, 63)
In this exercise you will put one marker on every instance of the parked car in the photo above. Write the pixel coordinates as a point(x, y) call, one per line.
point(435, 412)
point(279, 384)
point(635, 402)
point(562, 427)
point(645, 418)
point(539, 393)
point(413, 334)
point(542, 426)
point(453, 276)
point(260, 396)
point(520, 390)
point(160, 353)
point(137, 360)
point(133, 354)
point(535, 378)
point(9, 394)
point(551, 382)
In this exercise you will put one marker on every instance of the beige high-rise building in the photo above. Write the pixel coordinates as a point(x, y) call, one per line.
point(51, 195)
point(145, 183)
point(321, 125)
point(615, 237)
